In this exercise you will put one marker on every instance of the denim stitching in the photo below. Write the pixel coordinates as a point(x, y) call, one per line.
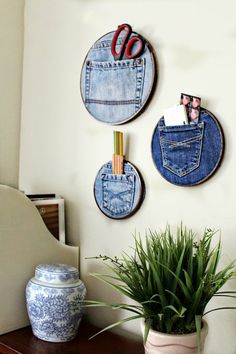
point(115, 103)
point(87, 83)
point(119, 64)
point(173, 142)
point(139, 83)
point(163, 152)
point(179, 145)
point(186, 127)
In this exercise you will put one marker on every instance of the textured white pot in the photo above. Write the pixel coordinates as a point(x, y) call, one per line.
point(162, 343)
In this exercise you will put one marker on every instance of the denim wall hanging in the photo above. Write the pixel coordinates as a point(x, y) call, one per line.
point(118, 76)
point(119, 188)
point(188, 154)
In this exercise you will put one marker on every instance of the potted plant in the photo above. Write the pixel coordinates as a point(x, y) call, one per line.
point(172, 278)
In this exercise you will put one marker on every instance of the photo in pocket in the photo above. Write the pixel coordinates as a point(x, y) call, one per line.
point(192, 105)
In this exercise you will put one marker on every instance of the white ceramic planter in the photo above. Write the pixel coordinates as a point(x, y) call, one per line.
point(162, 343)
point(54, 302)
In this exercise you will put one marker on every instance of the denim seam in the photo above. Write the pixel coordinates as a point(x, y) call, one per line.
point(190, 140)
point(111, 103)
point(127, 168)
point(139, 84)
point(180, 128)
point(164, 157)
point(87, 83)
point(119, 64)
point(108, 168)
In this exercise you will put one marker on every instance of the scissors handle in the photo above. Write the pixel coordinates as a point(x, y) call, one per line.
point(127, 28)
point(128, 51)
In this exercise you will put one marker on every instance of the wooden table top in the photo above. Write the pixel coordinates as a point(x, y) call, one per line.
point(23, 341)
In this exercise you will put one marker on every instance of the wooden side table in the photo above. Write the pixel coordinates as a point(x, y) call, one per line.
point(23, 341)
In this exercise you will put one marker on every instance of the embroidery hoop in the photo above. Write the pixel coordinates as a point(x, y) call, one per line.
point(151, 83)
point(139, 193)
point(180, 181)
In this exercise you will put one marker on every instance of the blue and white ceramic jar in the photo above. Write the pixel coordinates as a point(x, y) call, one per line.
point(54, 302)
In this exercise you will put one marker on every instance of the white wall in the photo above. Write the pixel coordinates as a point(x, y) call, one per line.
point(11, 52)
point(62, 147)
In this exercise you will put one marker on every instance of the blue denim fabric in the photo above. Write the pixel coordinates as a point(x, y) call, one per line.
point(188, 154)
point(118, 196)
point(115, 91)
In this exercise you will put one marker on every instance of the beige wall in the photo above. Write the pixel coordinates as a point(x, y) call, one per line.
point(11, 51)
point(63, 147)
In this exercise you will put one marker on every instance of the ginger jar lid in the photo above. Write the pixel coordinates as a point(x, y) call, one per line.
point(57, 273)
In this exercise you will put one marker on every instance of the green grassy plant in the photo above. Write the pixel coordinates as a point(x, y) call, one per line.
point(171, 278)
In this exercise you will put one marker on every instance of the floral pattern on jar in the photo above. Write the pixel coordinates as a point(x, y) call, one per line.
point(55, 310)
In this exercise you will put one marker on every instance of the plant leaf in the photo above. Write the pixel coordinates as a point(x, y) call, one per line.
point(116, 324)
point(198, 324)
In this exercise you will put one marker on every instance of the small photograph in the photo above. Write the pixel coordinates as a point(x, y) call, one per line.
point(185, 99)
point(194, 114)
point(196, 102)
point(192, 105)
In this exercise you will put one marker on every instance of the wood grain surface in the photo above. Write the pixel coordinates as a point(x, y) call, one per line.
point(24, 342)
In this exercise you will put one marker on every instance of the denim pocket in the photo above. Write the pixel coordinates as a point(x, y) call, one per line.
point(181, 147)
point(114, 88)
point(118, 193)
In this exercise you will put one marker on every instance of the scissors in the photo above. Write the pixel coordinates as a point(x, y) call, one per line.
point(127, 44)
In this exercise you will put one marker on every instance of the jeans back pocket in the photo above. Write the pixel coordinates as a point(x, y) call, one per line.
point(118, 193)
point(181, 147)
point(113, 89)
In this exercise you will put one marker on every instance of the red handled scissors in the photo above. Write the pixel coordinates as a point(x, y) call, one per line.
point(126, 49)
